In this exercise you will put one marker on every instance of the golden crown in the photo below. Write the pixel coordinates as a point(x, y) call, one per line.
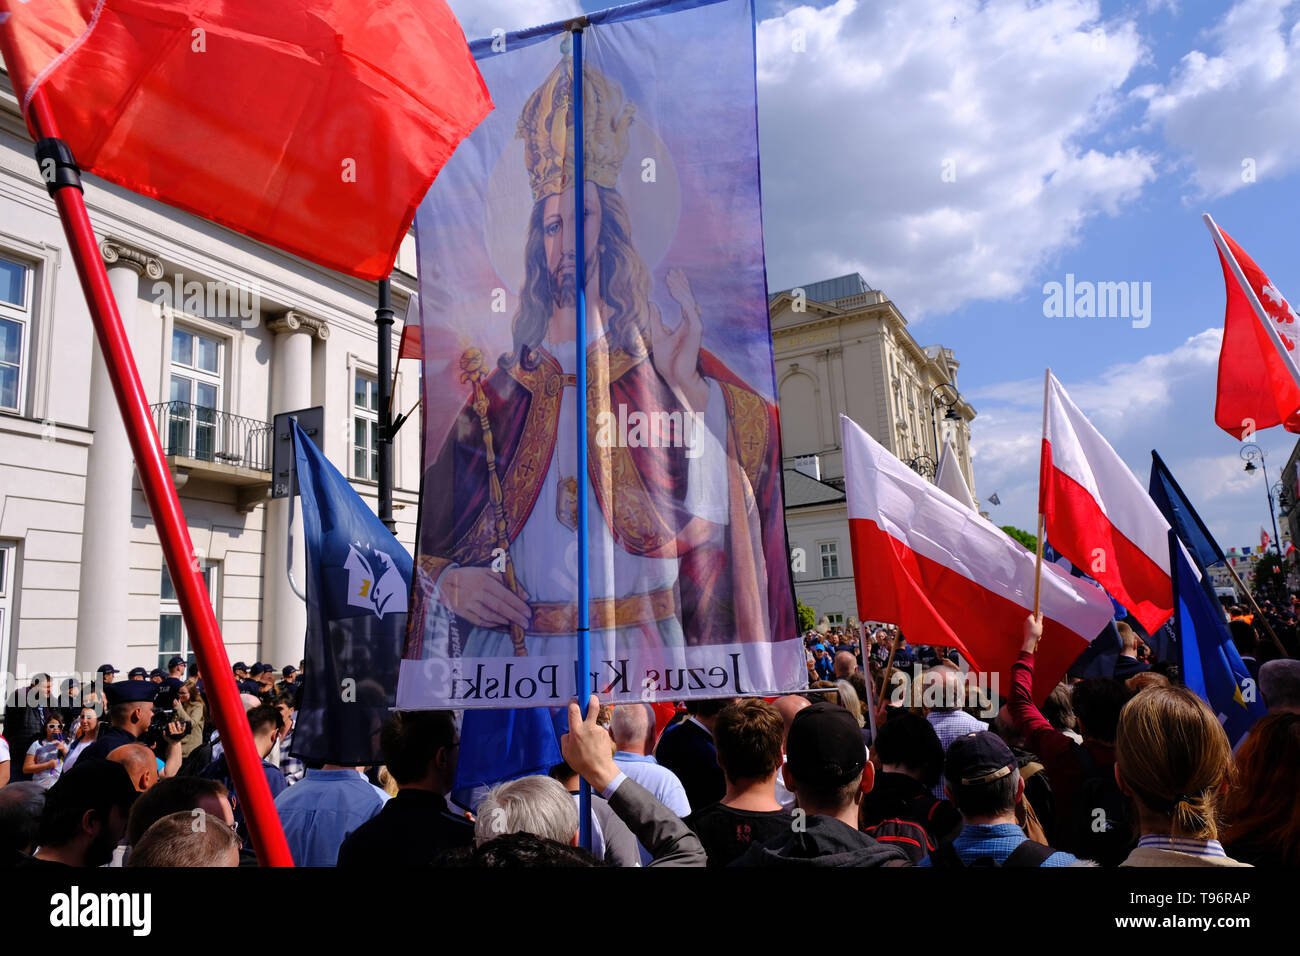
point(544, 125)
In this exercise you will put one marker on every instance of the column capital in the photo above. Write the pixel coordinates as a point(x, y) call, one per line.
point(293, 321)
point(117, 253)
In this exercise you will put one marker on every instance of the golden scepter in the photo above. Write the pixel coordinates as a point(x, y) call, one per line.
point(471, 366)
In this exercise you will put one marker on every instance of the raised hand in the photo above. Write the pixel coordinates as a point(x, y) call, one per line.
point(676, 352)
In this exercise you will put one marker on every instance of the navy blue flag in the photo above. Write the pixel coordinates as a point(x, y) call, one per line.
point(1211, 665)
point(1182, 517)
point(358, 581)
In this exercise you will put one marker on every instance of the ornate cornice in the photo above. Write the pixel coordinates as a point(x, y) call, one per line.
point(293, 321)
point(117, 253)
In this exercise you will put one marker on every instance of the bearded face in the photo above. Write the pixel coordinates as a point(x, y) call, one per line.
point(561, 257)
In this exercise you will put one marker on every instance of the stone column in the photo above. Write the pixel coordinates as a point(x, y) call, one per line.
point(284, 615)
point(102, 620)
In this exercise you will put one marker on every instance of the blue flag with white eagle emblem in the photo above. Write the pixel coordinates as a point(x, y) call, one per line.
point(358, 581)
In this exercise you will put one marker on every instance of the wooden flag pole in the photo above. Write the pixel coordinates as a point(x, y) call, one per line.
point(1258, 611)
point(1038, 562)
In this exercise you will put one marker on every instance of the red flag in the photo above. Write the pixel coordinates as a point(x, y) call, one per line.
point(316, 126)
point(410, 346)
point(1263, 540)
point(1259, 379)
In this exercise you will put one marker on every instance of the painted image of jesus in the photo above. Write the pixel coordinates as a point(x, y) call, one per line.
point(684, 464)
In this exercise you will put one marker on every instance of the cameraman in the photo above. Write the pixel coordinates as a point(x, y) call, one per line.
point(131, 712)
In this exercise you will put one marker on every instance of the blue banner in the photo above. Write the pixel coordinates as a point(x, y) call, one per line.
point(1211, 665)
point(358, 579)
point(689, 577)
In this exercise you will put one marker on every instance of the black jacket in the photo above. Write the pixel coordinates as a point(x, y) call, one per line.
point(688, 751)
point(898, 799)
point(412, 828)
point(822, 841)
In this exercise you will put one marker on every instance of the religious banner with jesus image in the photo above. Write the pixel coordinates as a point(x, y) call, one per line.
point(689, 577)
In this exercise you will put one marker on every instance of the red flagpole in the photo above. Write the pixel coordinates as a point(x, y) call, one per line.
point(245, 763)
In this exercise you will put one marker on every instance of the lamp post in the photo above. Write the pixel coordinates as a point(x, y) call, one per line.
point(1250, 453)
point(950, 415)
point(924, 466)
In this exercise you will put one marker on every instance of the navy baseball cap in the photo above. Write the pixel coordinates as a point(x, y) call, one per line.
point(289, 670)
point(239, 666)
point(108, 669)
point(175, 662)
point(137, 672)
point(977, 759)
point(131, 692)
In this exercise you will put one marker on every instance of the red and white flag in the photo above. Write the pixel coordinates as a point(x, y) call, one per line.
point(1098, 515)
point(1263, 540)
point(1259, 369)
point(316, 126)
point(949, 578)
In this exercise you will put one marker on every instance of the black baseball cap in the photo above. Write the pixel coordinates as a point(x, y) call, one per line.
point(175, 662)
point(239, 666)
point(978, 759)
point(130, 692)
point(137, 671)
point(157, 672)
point(824, 747)
point(259, 669)
point(289, 670)
point(108, 669)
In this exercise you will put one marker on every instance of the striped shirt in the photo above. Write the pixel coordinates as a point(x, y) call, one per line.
point(1206, 848)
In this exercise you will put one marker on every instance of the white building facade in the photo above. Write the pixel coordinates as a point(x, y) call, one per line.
point(226, 332)
point(842, 347)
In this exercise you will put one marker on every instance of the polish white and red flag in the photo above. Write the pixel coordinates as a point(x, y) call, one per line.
point(1097, 514)
point(949, 578)
point(1259, 366)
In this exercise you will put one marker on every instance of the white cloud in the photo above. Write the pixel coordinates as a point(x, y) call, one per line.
point(856, 130)
point(1170, 394)
point(1220, 110)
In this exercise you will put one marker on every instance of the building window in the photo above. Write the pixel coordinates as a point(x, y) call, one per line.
point(835, 620)
point(830, 559)
point(15, 331)
point(365, 425)
point(173, 637)
point(8, 555)
point(197, 368)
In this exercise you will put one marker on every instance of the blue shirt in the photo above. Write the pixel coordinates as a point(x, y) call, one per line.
point(996, 841)
point(321, 810)
point(662, 783)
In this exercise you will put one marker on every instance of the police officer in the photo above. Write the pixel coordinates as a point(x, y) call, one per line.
point(130, 711)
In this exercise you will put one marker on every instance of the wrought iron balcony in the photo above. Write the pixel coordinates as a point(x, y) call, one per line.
point(209, 436)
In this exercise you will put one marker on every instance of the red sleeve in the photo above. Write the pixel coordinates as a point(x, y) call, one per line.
point(1040, 736)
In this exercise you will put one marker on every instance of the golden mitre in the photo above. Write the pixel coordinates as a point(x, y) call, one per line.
point(544, 125)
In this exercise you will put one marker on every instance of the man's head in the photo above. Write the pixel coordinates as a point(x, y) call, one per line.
point(706, 711)
point(788, 706)
point(176, 667)
point(943, 688)
point(1097, 702)
point(240, 670)
point(21, 804)
point(1243, 637)
point(267, 724)
point(845, 665)
point(289, 674)
point(139, 763)
point(420, 749)
point(983, 779)
point(107, 672)
point(826, 764)
point(1279, 682)
point(137, 673)
point(748, 735)
point(907, 743)
point(265, 676)
point(86, 812)
point(538, 805)
point(187, 838)
point(287, 705)
point(174, 795)
point(633, 728)
point(130, 705)
point(157, 674)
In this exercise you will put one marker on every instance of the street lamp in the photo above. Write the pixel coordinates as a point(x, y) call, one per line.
point(950, 415)
point(923, 465)
point(1251, 453)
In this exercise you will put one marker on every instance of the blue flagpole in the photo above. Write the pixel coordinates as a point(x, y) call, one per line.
point(580, 351)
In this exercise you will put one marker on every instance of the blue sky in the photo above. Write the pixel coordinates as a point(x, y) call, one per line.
point(1078, 136)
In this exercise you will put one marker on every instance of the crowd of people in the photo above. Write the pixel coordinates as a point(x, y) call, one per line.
point(1128, 770)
